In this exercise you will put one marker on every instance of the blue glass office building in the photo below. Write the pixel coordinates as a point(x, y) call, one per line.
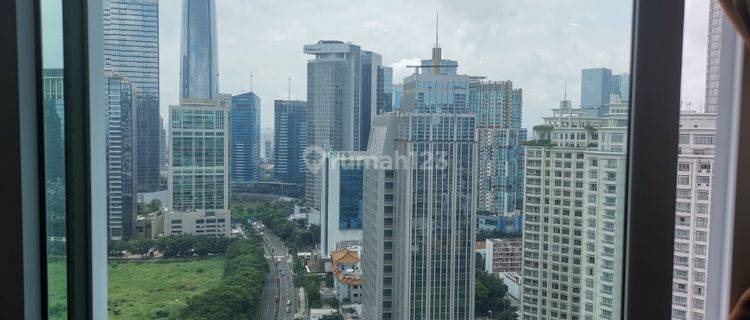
point(244, 139)
point(131, 49)
point(290, 141)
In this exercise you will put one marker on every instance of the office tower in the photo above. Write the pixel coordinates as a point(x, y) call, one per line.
point(341, 210)
point(54, 151)
point(371, 63)
point(598, 85)
point(385, 89)
point(199, 68)
point(198, 179)
point(266, 145)
point(398, 94)
point(377, 231)
point(433, 191)
point(120, 156)
point(500, 140)
point(198, 186)
point(244, 139)
point(131, 49)
point(162, 146)
point(333, 100)
point(715, 20)
point(290, 141)
point(574, 215)
point(694, 168)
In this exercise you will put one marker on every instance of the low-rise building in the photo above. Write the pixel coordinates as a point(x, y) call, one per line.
point(347, 274)
point(503, 255)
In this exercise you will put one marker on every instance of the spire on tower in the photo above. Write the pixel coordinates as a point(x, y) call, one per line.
point(437, 28)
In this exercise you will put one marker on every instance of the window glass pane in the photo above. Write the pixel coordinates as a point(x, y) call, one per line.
point(511, 128)
point(53, 119)
point(698, 112)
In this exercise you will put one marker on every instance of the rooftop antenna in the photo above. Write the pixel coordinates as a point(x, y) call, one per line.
point(565, 90)
point(251, 81)
point(437, 28)
point(289, 93)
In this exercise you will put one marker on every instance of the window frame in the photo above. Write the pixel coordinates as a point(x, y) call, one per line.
point(652, 163)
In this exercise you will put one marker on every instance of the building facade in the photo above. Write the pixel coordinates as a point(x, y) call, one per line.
point(199, 68)
point(385, 89)
point(198, 180)
point(503, 255)
point(342, 207)
point(371, 66)
point(692, 214)
point(120, 156)
point(244, 139)
point(290, 141)
point(574, 215)
point(597, 87)
point(433, 200)
point(131, 49)
point(54, 148)
point(334, 104)
point(500, 140)
point(713, 57)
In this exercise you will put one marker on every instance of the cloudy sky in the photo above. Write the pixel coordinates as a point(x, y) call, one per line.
point(538, 44)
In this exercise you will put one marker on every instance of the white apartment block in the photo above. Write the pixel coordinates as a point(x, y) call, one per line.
point(694, 174)
point(502, 255)
point(574, 211)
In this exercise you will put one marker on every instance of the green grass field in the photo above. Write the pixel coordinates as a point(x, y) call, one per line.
point(148, 289)
point(158, 289)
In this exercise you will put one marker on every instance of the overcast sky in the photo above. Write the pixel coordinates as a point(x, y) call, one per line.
point(538, 44)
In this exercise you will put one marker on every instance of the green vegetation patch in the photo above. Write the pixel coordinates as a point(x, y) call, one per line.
point(159, 289)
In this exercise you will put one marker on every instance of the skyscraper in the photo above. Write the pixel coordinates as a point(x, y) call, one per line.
point(713, 57)
point(198, 186)
point(431, 195)
point(500, 140)
point(290, 140)
point(162, 146)
point(121, 154)
point(371, 64)
point(385, 89)
point(574, 215)
point(244, 139)
point(131, 49)
point(333, 100)
point(54, 151)
point(695, 163)
point(199, 68)
point(598, 85)
point(198, 179)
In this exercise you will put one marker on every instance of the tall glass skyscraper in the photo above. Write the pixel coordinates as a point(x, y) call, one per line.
point(199, 68)
point(334, 105)
point(54, 151)
point(431, 198)
point(131, 49)
point(244, 139)
point(371, 64)
point(290, 140)
point(121, 189)
point(597, 87)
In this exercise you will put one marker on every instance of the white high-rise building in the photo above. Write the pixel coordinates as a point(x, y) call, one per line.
point(694, 175)
point(574, 211)
point(198, 180)
point(713, 57)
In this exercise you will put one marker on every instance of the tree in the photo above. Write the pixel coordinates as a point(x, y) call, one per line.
point(140, 246)
point(489, 293)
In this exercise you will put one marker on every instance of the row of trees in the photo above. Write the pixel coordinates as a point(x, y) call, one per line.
point(181, 245)
point(274, 217)
point(239, 293)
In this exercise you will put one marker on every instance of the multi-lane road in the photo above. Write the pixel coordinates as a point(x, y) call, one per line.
point(278, 294)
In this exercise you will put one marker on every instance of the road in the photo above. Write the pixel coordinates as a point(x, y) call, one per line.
point(280, 277)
